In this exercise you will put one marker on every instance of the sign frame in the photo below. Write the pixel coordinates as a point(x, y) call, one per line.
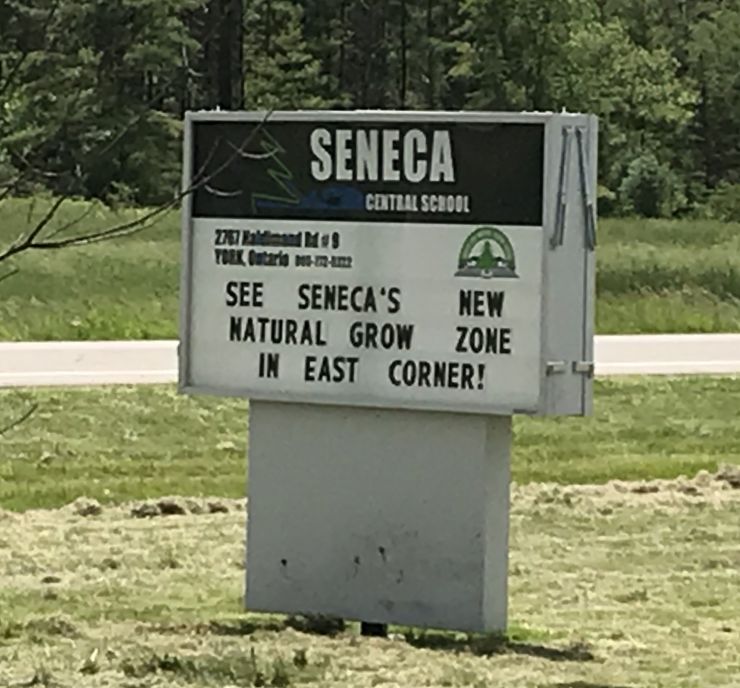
point(566, 367)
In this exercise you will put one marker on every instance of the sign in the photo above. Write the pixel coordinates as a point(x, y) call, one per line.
point(386, 259)
point(413, 261)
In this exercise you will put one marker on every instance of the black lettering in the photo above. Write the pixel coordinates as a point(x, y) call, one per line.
point(475, 340)
point(425, 371)
point(394, 300)
point(304, 299)
point(466, 376)
point(387, 336)
point(291, 330)
point(324, 370)
point(276, 331)
point(330, 369)
point(308, 369)
point(307, 333)
point(495, 303)
point(453, 373)
point(409, 373)
point(249, 335)
point(269, 365)
point(505, 345)
point(491, 340)
point(478, 304)
point(371, 335)
point(461, 334)
point(405, 334)
point(436, 374)
point(229, 256)
point(231, 291)
point(481, 304)
point(235, 329)
point(440, 373)
point(392, 369)
point(466, 302)
point(245, 294)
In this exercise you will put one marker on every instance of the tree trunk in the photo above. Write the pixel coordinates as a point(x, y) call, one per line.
point(225, 54)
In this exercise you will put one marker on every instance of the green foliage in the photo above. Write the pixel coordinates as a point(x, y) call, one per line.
point(92, 92)
point(644, 106)
point(650, 188)
point(713, 59)
point(281, 72)
point(510, 51)
point(724, 203)
point(87, 111)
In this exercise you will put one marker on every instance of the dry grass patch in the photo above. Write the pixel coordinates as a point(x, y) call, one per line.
point(623, 584)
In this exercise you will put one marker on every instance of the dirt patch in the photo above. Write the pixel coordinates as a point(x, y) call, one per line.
point(704, 487)
point(84, 506)
point(182, 506)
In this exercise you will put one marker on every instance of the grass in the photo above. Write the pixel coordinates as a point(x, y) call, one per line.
point(608, 588)
point(653, 276)
point(123, 443)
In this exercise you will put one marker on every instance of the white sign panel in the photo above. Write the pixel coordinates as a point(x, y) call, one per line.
point(382, 261)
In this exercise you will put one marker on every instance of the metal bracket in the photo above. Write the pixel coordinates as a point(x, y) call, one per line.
point(563, 178)
point(584, 368)
point(556, 367)
point(589, 207)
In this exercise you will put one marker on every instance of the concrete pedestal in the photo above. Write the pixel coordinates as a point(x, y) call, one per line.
point(397, 517)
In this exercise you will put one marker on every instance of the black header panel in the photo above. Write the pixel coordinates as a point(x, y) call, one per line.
point(368, 170)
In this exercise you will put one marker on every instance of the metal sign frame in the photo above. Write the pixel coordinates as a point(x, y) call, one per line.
point(566, 343)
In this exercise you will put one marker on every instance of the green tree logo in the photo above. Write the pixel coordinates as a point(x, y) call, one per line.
point(487, 253)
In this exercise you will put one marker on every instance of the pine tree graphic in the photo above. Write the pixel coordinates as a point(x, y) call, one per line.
point(283, 189)
point(486, 260)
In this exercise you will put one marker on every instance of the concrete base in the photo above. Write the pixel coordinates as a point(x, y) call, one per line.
point(382, 516)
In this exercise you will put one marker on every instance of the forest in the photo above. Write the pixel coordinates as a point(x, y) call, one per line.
point(92, 92)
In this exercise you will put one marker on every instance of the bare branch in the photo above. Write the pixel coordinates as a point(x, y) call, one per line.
point(9, 274)
point(20, 420)
point(32, 240)
point(80, 218)
point(26, 241)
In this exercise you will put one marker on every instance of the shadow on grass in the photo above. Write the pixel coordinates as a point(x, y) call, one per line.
point(313, 624)
point(496, 644)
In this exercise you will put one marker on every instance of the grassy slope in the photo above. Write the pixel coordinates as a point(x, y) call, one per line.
point(654, 276)
point(123, 443)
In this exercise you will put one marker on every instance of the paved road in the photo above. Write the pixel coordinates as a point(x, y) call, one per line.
point(93, 363)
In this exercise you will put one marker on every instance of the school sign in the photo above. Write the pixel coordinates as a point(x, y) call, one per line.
point(388, 289)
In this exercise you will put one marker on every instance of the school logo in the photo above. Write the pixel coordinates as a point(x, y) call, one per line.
point(487, 253)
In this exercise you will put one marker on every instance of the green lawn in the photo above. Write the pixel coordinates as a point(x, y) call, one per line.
point(122, 443)
point(653, 276)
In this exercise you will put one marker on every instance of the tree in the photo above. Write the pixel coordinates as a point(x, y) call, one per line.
point(644, 106)
point(91, 109)
point(509, 51)
point(713, 58)
point(280, 70)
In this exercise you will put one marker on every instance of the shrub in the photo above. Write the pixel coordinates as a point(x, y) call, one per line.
point(650, 188)
point(724, 203)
